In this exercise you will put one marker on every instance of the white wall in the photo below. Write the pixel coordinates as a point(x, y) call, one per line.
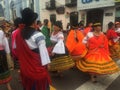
point(45, 14)
point(107, 19)
point(83, 16)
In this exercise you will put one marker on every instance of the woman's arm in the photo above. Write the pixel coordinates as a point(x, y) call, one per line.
point(40, 41)
point(6, 45)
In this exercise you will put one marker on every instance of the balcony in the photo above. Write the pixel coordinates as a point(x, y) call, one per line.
point(51, 5)
point(117, 2)
point(71, 3)
point(60, 10)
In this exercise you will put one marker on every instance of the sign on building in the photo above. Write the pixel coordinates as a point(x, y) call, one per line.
point(90, 4)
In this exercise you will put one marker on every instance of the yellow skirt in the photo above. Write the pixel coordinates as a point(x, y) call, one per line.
point(61, 63)
point(97, 63)
point(115, 51)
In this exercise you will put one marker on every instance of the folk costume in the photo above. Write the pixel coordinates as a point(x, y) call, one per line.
point(114, 42)
point(60, 60)
point(46, 32)
point(19, 26)
point(97, 59)
point(32, 54)
point(74, 43)
point(5, 75)
point(75, 46)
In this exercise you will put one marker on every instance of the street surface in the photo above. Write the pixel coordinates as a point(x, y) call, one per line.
point(74, 79)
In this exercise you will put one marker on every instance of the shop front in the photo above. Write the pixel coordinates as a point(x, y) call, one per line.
point(102, 11)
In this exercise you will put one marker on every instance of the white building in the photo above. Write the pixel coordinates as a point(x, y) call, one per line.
point(13, 8)
point(57, 10)
point(68, 11)
point(102, 11)
point(47, 9)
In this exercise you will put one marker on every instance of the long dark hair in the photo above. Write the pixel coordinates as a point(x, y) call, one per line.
point(17, 21)
point(110, 25)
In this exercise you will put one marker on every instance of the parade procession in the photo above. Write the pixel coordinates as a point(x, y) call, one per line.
point(59, 44)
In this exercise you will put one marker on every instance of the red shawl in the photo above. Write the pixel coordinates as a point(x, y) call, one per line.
point(14, 34)
point(32, 71)
point(13, 41)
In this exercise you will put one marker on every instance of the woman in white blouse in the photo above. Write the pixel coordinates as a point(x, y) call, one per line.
point(5, 75)
point(60, 58)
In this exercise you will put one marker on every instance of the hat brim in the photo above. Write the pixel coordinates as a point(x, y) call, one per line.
point(35, 16)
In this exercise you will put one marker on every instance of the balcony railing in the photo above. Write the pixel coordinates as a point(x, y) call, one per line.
point(71, 3)
point(51, 5)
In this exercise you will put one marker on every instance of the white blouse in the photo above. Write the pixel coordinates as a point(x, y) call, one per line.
point(118, 30)
point(59, 47)
point(37, 40)
point(4, 42)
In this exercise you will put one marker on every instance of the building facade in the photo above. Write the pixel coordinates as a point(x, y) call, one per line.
point(57, 10)
point(12, 8)
point(68, 11)
point(74, 11)
point(103, 11)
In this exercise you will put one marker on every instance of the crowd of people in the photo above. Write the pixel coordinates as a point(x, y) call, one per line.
point(36, 49)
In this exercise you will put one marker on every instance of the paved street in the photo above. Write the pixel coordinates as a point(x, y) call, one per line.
point(74, 79)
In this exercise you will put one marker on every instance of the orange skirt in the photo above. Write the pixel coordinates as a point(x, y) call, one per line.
point(98, 63)
point(115, 51)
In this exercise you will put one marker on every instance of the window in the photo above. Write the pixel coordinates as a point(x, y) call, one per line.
point(53, 18)
point(117, 14)
point(74, 18)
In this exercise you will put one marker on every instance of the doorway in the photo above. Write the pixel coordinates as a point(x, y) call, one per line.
point(74, 18)
point(53, 18)
point(95, 15)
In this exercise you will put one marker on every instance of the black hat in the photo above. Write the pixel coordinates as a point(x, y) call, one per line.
point(58, 24)
point(28, 16)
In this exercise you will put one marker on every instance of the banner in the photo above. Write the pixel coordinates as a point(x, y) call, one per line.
point(90, 4)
